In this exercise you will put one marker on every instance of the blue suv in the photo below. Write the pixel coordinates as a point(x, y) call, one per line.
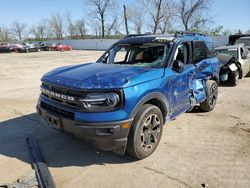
point(121, 101)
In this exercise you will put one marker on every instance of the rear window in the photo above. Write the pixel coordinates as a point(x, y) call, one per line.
point(232, 52)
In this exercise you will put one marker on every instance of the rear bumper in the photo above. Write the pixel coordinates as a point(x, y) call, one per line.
point(107, 136)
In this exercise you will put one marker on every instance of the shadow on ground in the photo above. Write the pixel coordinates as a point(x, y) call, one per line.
point(59, 149)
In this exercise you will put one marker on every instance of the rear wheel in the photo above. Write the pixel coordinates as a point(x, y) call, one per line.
point(234, 78)
point(212, 95)
point(146, 131)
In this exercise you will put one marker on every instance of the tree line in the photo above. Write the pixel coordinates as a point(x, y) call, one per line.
point(110, 19)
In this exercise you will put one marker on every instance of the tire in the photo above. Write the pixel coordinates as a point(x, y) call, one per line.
point(27, 51)
point(61, 50)
point(212, 95)
point(144, 136)
point(234, 78)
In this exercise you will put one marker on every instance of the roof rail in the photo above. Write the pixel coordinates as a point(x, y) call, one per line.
point(136, 35)
point(177, 33)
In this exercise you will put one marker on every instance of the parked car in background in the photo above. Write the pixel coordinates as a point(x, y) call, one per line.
point(245, 41)
point(44, 46)
point(8, 48)
point(28, 47)
point(60, 47)
point(235, 63)
point(5, 48)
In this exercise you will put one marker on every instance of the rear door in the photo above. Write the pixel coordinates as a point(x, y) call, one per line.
point(203, 70)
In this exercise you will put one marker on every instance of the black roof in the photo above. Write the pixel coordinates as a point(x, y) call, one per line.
point(139, 39)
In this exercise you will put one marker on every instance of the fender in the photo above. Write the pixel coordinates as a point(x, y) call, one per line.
point(160, 97)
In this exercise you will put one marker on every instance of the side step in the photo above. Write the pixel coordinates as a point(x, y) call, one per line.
point(38, 164)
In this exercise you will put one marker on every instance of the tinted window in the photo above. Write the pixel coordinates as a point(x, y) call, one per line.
point(211, 50)
point(199, 51)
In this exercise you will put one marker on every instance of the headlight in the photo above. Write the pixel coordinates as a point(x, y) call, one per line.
point(101, 101)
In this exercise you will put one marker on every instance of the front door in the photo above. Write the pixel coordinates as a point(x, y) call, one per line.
point(180, 82)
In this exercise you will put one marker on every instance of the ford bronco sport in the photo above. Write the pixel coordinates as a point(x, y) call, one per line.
point(122, 101)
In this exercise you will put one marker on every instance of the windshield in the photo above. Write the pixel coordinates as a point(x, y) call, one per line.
point(232, 52)
point(244, 41)
point(142, 55)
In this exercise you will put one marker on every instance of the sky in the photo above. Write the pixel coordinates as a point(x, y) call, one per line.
point(231, 14)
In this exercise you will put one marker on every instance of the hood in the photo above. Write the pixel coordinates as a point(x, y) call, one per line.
point(224, 59)
point(101, 76)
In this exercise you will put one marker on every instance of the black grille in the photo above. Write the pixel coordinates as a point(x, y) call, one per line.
point(63, 90)
point(65, 113)
point(77, 94)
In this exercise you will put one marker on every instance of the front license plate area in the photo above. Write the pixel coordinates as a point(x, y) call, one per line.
point(53, 121)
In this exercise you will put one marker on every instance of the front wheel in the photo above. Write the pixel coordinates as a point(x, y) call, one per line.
point(146, 131)
point(212, 95)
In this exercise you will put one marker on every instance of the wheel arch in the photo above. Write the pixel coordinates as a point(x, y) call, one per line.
point(215, 78)
point(156, 98)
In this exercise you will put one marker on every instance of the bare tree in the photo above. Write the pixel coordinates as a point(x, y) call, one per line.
point(99, 9)
point(192, 13)
point(154, 9)
point(71, 26)
point(33, 31)
point(80, 28)
point(158, 13)
point(43, 28)
point(125, 19)
point(56, 24)
point(166, 24)
point(18, 30)
point(136, 18)
point(4, 34)
point(40, 30)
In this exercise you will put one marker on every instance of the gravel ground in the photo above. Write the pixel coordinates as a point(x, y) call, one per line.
point(197, 149)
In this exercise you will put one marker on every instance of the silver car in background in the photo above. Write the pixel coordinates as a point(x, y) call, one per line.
point(245, 41)
point(235, 63)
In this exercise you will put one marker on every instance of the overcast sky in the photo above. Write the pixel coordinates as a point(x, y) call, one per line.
point(232, 14)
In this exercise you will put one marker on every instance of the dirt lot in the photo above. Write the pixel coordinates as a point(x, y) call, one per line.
point(196, 148)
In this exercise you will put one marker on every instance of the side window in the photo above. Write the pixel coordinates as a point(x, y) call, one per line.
point(211, 50)
point(117, 55)
point(121, 55)
point(182, 53)
point(199, 51)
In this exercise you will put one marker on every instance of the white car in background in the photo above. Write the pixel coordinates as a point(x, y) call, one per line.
point(235, 63)
point(245, 41)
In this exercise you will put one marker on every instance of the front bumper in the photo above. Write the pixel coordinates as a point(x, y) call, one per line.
point(107, 136)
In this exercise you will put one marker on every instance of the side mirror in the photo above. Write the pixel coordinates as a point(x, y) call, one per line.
point(178, 66)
